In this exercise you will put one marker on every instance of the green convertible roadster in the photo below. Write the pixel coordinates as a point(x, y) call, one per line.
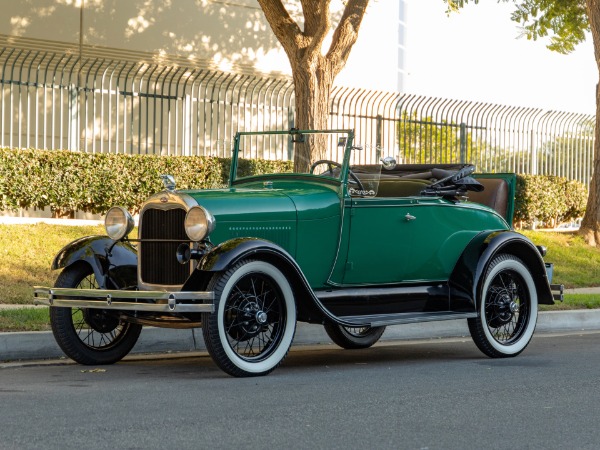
point(354, 247)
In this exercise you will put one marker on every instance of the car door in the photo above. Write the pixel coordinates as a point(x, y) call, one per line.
point(379, 235)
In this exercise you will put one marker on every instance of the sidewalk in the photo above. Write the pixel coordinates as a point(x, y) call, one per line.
point(41, 345)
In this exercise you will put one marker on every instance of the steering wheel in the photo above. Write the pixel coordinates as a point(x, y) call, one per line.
point(331, 164)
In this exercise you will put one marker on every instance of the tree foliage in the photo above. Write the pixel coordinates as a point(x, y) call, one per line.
point(564, 21)
point(423, 140)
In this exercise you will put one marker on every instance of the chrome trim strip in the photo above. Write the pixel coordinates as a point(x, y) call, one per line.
point(170, 200)
point(157, 301)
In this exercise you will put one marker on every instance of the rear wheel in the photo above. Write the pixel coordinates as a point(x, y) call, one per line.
point(253, 325)
point(508, 309)
point(353, 337)
point(90, 336)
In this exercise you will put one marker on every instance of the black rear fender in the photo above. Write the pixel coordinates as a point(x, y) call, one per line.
point(466, 281)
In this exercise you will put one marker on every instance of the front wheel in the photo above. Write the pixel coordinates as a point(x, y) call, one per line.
point(353, 337)
point(507, 310)
point(253, 325)
point(90, 336)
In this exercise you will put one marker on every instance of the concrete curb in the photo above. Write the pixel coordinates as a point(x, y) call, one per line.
point(41, 345)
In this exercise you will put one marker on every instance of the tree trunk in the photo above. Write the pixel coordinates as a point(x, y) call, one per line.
point(312, 86)
point(590, 225)
point(314, 72)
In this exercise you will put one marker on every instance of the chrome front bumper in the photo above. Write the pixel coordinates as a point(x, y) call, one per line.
point(154, 301)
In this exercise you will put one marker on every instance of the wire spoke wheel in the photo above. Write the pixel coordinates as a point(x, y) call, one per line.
point(254, 317)
point(353, 337)
point(86, 335)
point(507, 309)
point(253, 325)
point(94, 327)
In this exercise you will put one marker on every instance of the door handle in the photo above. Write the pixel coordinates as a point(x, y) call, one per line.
point(409, 217)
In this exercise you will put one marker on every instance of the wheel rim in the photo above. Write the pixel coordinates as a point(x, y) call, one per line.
point(254, 317)
point(507, 307)
point(94, 328)
point(357, 332)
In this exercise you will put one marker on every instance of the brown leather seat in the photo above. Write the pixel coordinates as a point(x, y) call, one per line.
point(494, 194)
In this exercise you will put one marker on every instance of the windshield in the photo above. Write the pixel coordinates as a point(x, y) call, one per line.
point(324, 154)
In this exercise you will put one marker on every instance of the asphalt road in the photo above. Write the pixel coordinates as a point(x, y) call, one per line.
point(441, 394)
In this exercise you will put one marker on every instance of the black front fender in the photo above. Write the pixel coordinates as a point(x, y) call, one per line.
point(114, 263)
point(466, 279)
point(227, 254)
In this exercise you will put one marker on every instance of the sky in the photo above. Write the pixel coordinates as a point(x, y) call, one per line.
point(477, 55)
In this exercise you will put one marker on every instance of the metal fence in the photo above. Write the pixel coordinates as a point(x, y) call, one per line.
point(59, 101)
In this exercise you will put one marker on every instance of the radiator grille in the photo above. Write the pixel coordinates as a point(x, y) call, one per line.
point(158, 261)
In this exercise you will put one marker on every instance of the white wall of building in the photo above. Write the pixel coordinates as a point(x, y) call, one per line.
point(230, 35)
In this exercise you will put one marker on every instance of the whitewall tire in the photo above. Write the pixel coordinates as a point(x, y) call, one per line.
point(253, 325)
point(507, 311)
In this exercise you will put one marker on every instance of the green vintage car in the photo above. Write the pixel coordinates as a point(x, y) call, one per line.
point(345, 242)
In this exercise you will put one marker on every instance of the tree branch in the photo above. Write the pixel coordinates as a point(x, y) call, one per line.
point(346, 33)
point(286, 30)
point(316, 24)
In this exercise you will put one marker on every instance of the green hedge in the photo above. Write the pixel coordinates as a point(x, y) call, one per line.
point(549, 200)
point(68, 181)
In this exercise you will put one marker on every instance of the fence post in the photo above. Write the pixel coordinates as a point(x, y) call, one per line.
point(73, 122)
point(290, 148)
point(186, 145)
point(463, 143)
point(378, 136)
point(534, 161)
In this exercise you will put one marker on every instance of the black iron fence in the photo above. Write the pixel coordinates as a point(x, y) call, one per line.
point(56, 100)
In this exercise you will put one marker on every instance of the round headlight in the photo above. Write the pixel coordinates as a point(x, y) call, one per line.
point(118, 223)
point(198, 223)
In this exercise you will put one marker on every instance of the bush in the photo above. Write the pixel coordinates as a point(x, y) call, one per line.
point(548, 199)
point(68, 181)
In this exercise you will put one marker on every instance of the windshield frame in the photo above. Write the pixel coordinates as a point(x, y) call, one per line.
point(343, 179)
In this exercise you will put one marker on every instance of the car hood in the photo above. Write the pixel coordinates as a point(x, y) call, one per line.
point(275, 214)
point(245, 205)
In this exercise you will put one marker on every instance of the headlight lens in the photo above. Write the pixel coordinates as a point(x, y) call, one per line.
point(198, 223)
point(118, 223)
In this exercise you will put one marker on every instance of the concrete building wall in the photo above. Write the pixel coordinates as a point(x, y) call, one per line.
point(227, 35)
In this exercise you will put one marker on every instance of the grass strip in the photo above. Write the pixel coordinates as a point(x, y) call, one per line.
point(25, 319)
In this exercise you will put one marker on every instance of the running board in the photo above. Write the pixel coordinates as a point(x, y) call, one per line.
point(404, 318)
